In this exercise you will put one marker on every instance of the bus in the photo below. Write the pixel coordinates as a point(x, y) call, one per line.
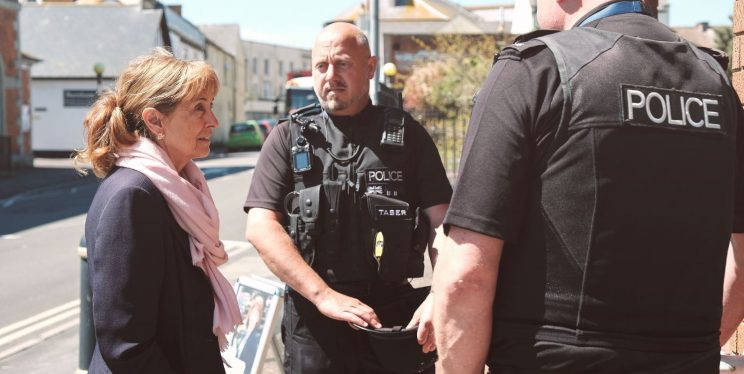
point(299, 93)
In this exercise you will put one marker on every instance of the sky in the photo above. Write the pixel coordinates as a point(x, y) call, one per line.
point(295, 22)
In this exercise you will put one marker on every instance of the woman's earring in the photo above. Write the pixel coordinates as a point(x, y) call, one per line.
point(160, 136)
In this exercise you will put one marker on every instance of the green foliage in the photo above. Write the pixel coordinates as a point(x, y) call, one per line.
point(725, 40)
point(447, 80)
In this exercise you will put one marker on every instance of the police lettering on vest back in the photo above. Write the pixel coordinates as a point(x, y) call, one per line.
point(653, 106)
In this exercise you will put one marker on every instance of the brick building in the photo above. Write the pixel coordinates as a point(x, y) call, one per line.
point(15, 120)
point(736, 343)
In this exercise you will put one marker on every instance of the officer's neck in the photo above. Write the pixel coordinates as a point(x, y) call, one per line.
point(350, 118)
point(586, 10)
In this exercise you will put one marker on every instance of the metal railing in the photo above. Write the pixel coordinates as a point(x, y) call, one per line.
point(448, 133)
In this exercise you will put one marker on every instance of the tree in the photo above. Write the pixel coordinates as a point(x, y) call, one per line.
point(725, 40)
point(446, 82)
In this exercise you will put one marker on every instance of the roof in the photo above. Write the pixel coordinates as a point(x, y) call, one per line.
point(184, 28)
point(701, 35)
point(227, 37)
point(71, 39)
point(432, 16)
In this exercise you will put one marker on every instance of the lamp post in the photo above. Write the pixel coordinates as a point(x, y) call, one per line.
point(98, 68)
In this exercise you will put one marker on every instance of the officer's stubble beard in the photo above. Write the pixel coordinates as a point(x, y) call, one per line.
point(333, 106)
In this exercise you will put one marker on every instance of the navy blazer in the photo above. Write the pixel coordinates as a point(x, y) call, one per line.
point(152, 309)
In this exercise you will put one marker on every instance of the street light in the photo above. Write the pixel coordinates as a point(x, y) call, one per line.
point(98, 68)
point(389, 69)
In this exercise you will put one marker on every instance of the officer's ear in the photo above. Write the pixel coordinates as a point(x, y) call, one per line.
point(372, 67)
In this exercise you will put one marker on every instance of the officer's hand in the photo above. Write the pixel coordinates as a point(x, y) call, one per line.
point(423, 317)
point(344, 308)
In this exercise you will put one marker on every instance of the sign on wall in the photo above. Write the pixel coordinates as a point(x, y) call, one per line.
point(79, 98)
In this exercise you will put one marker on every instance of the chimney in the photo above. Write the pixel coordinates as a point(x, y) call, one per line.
point(175, 8)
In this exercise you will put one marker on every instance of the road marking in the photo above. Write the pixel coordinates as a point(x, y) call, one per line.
point(38, 326)
point(7, 203)
point(10, 236)
point(34, 319)
point(43, 336)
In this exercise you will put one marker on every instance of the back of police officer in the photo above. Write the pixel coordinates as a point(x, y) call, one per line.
point(614, 158)
point(346, 181)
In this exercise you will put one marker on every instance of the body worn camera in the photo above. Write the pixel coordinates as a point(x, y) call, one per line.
point(301, 156)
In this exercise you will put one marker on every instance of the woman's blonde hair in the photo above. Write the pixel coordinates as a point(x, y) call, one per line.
point(157, 80)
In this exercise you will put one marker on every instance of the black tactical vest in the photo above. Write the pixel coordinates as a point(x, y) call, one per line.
point(352, 216)
point(631, 207)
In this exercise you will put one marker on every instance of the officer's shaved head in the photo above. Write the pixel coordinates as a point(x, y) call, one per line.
point(342, 30)
point(342, 68)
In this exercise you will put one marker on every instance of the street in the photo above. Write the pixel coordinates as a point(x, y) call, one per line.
point(39, 237)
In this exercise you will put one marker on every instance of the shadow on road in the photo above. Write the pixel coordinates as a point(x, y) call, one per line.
point(39, 196)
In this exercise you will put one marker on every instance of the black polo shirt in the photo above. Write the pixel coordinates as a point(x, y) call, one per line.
point(562, 302)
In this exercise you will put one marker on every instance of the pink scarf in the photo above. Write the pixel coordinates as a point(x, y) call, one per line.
point(191, 203)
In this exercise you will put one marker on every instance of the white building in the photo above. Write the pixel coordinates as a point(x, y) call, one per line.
point(224, 41)
point(267, 67)
point(69, 40)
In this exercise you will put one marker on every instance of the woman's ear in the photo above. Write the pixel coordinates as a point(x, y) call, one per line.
point(154, 121)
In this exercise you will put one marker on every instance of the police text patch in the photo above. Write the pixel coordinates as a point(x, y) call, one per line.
point(664, 108)
point(390, 211)
point(384, 176)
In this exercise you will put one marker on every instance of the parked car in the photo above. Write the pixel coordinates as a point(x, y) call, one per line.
point(245, 135)
point(268, 124)
point(265, 129)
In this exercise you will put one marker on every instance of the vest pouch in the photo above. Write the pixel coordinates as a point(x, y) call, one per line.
point(397, 234)
point(420, 242)
point(303, 208)
point(393, 223)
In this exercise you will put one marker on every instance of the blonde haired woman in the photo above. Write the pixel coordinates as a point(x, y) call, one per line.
point(160, 305)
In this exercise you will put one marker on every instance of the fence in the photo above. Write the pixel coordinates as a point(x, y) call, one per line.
point(448, 133)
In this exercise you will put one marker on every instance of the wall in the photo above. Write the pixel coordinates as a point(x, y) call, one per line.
point(57, 128)
point(736, 343)
point(224, 106)
point(12, 86)
point(263, 86)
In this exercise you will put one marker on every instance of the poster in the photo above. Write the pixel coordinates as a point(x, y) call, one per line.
point(260, 302)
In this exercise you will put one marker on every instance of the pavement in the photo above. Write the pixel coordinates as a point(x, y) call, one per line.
point(46, 173)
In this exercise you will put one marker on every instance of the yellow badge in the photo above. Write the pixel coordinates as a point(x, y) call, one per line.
point(379, 245)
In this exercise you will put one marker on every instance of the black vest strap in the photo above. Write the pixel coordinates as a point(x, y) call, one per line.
point(593, 42)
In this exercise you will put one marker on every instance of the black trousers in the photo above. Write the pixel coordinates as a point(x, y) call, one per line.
point(551, 357)
point(314, 343)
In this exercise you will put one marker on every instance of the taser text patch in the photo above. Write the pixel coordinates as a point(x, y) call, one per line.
point(659, 107)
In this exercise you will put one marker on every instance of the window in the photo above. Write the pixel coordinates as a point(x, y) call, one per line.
point(403, 2)
point(246, 85)
point(281, 68)
point(266, 66)
point(255, 65)
point(267, 88)
point(291, 66)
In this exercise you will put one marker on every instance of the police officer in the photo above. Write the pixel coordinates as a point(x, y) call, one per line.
point(332, 210)
point(605, 208)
